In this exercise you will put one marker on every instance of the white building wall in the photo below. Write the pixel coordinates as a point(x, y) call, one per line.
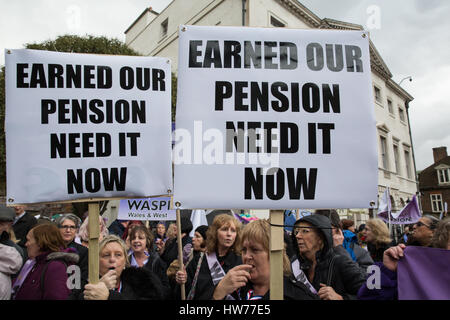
point(229, 13)
point(261, 10)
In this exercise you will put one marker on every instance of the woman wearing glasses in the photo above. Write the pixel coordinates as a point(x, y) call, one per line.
point(422, 231)
point(331, 276)
point(68, 225)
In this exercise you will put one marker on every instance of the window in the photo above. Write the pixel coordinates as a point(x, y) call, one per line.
point(396, 158)
point(401, 114)
point(274, 22)
point(164, 27)
point(384, 155)
point(436, 202)
point(408, 165)
point(443, 175)
point(390, 107)
point(377, 93)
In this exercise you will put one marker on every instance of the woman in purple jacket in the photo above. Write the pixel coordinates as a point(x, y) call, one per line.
point(44, 275)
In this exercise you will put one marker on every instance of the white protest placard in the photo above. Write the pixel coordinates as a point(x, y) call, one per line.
point(86, 126)
point(274, 118)
point(154, 209)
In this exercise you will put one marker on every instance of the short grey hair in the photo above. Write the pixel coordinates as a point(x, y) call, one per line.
point(433, 221)
point(69, 216)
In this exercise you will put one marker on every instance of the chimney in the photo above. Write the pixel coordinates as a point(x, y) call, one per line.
point(439, 153)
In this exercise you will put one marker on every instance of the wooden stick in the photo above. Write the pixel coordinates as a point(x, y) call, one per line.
point(276, 255)
point(94, 235)
point(180, 252)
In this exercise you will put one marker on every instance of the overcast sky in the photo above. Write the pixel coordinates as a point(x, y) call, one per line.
point(411, 35)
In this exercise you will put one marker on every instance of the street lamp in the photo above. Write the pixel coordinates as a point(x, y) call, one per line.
point(408, 77)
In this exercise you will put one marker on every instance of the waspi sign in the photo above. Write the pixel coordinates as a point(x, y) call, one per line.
point(274, 118)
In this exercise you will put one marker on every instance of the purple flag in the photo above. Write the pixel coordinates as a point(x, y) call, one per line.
point(423, 274)
point(409, 214)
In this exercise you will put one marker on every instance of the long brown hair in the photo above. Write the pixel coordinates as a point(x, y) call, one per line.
point(218, 222)
point(48, 238)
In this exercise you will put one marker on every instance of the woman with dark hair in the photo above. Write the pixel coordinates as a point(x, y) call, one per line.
point(331, 276)
point(45, 276)
point(222, 254)
point(198, 242)
point(141, 241)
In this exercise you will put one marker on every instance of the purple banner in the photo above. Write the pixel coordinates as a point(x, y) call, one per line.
point(423, 274)
point(409, 214)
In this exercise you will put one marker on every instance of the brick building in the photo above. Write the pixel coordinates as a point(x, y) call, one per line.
point(434, 183)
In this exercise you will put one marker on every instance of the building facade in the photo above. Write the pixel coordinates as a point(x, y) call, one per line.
point(434, 183)
point(156, 34)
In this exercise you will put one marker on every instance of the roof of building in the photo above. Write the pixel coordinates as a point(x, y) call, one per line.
point(428, 177)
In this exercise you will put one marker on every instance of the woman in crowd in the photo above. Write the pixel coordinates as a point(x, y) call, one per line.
point(222, 254)
point(388, 269)
point(251, 280)
point(118, 280)
point(170, 251)
point(332, 276)
point(83, 232)
point(68, 225)
point(198, 242)
point(45, 277)
point(142, 256)
point(160, 236)
point(377, 238)
point(171, 231)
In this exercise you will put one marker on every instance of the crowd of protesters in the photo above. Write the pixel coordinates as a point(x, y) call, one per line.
point(325, 258)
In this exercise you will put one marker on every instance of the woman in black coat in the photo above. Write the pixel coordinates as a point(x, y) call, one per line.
point(119, 281)
point(332, 276)
point(251, 280)
point(222, 254)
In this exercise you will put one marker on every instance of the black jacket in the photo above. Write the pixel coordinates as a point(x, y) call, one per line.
point(83, 254)
point(171, 249)
point(346, 276)
point(158, 267)
point(362, 256)
point(292, 290)
point(205, 288)
point(137, 284)
point(22, 226)
point(376, 252)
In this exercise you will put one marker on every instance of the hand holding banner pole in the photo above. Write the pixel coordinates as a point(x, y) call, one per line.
point(180, 250)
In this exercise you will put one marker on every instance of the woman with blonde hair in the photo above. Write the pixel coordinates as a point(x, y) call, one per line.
point(251, 280)
point(83, 232)
point(222, 254)
point(377, 237)
point(119, 280)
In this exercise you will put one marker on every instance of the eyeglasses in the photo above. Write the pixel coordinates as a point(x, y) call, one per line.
point(68, 227)
point(302, 230)
point(420, 223)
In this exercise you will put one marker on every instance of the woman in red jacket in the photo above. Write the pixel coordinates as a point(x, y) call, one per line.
point(44, 275)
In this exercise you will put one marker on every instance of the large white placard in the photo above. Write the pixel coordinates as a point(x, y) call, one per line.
point(274, 118)
point(86, 126)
